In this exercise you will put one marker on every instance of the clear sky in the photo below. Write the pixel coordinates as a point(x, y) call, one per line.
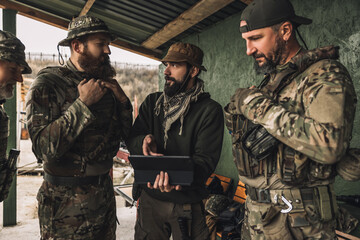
point(40, 37)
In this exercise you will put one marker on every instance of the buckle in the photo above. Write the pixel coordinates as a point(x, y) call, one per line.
point(263, 195)
point(258, 194)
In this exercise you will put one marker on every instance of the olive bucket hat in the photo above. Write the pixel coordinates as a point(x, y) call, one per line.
point(13, 50)
point(265, 13)
point(185, 52)
point(84, 25)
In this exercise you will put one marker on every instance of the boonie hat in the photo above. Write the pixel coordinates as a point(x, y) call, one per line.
point(185, 52)
point(266, 13)
point(13, 50)
point(84, 25)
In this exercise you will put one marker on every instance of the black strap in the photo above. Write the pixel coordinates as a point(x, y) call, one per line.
point(75, 181)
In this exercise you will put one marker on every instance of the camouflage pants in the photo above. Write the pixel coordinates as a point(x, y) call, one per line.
point(157, 220)
point(79, 212)
point(280, 227)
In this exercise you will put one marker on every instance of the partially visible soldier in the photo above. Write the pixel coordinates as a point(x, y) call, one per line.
point(77, 115)
point(12, 65)
point(289, 132)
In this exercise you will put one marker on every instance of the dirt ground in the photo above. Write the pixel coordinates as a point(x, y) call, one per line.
point(27, 220)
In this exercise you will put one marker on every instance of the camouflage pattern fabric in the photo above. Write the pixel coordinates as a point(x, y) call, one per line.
point(280, 227)
point(6, 174)
point(67, 136)
point(81, 212)
point(311, 113)
point(75, 140)
point(85, 25)
point(13, 50)
point(308, 113)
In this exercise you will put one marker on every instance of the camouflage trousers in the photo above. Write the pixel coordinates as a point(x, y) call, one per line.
point(280, 225)
point(157, 220)
point(78, 212)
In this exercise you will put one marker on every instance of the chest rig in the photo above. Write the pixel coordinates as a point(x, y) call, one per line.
point(99, 141)
point(291, 166)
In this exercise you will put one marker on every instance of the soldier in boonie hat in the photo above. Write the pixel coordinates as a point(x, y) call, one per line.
point(12, 65)
point(82, 97)
point(84, 25)
point(13, 50)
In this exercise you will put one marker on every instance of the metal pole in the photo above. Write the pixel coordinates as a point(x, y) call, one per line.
point(9, 210)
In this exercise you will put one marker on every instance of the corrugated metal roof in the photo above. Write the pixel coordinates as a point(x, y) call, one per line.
point(132, 21)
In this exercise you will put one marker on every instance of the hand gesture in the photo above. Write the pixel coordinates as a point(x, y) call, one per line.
point(114, 86)
point(162, 183)
point(149, 146)
point(91, 91)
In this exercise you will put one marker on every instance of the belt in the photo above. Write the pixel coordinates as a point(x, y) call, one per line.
point(265, 195)
point(75, 181)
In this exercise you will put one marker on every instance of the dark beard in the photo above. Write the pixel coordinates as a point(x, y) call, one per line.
point(177, 87)
point(98, 68)
point(170, 91)
point(270, 64)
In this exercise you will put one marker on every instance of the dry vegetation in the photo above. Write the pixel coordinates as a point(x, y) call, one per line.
point(136, 80)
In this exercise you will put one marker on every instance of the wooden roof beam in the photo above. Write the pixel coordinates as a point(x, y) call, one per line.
point(247, 2)
point(35, 14)
point(63, 24)
point(87, 7)
point(184, 21)
point(150, 53)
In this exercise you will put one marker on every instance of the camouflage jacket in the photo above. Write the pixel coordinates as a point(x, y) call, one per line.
point(69, 137)
point(311, 109)
point(5, 177)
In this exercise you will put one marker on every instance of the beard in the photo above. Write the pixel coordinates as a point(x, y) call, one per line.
point(171, 90)
point(7, 91)
point(177, 86)
point(275, 58)
point(98, 68)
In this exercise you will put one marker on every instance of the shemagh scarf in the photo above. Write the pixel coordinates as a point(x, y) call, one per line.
point(177, 107)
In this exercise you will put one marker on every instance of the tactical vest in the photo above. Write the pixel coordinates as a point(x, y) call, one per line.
point(99, 142)
point(292, 167)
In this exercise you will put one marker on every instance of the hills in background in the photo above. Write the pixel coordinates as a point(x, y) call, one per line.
point(135, 79)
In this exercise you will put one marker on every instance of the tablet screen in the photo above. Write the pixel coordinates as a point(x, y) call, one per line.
point(179, 168)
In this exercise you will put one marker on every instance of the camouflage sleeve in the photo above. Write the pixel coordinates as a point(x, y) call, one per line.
point(323, 131)
point(125, 116)
point(52, 132)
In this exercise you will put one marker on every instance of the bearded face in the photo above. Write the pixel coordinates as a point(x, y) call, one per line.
point(174, 85)
point(273, 58)
point(96, 67)
point(10, 73)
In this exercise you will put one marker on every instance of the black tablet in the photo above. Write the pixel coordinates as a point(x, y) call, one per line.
point(179, 168)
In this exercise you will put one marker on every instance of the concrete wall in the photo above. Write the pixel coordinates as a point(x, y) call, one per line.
point(334, 22)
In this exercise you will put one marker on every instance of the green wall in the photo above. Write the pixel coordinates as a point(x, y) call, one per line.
point(334, 22)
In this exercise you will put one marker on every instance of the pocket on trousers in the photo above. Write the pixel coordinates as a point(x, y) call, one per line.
point(277, 227)
point(140, 234)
